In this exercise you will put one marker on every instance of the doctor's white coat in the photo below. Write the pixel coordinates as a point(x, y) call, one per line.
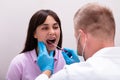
point(103, 65)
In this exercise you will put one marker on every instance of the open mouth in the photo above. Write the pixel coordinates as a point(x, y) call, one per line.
point(52, 41)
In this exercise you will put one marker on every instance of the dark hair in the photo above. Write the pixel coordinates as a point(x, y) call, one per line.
point(37, 19)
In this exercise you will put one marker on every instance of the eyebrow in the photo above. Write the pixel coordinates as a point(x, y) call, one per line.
point(55, 23)
point(44, 24)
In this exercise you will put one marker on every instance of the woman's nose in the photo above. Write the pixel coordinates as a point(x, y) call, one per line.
point(51, 31)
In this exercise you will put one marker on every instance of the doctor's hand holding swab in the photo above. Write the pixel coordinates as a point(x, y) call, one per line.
point(69, 55)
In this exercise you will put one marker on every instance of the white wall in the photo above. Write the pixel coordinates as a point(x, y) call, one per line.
point(15, 15)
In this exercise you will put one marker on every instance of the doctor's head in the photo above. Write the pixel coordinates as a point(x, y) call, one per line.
point(44, 26)
point(94, 29)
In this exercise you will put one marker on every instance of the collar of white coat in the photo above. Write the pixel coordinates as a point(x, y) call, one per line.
point(107, 52)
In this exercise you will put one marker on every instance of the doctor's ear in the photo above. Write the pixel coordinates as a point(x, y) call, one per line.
point(82, 35)
point(81, 32)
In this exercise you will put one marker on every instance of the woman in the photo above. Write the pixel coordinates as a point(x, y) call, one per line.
point(44, 26)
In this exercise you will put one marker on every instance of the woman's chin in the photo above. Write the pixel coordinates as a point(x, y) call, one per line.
point(51, 48)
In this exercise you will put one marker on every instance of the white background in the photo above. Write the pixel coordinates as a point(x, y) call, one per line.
point(15, 16)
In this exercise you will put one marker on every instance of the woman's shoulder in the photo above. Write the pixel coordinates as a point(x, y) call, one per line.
point(20, 58)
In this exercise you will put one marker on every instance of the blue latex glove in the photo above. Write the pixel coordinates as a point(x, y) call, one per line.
point(70, 56)
point(45, 61)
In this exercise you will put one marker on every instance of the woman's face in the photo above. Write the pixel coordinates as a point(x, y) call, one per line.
point(49, 33)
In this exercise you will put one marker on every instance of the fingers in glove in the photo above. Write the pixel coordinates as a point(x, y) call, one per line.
point(51, 53)
point(42, 48)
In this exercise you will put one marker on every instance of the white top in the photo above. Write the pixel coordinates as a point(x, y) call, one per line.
point(103, 65)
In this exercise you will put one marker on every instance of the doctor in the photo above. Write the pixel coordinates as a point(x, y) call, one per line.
point(95, 32)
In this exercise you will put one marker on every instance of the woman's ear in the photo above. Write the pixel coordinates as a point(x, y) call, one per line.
point(35, 35)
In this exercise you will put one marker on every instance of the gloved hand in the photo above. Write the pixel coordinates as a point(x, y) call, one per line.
point(70, 56)
point(45, 61)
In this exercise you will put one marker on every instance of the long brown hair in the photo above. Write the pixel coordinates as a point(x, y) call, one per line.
point(37, 19)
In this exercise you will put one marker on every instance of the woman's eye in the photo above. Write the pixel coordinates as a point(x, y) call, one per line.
point(45, 28)
point(56, 26)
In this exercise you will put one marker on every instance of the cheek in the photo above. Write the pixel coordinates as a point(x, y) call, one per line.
point(40, 36)
point(58, 33)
